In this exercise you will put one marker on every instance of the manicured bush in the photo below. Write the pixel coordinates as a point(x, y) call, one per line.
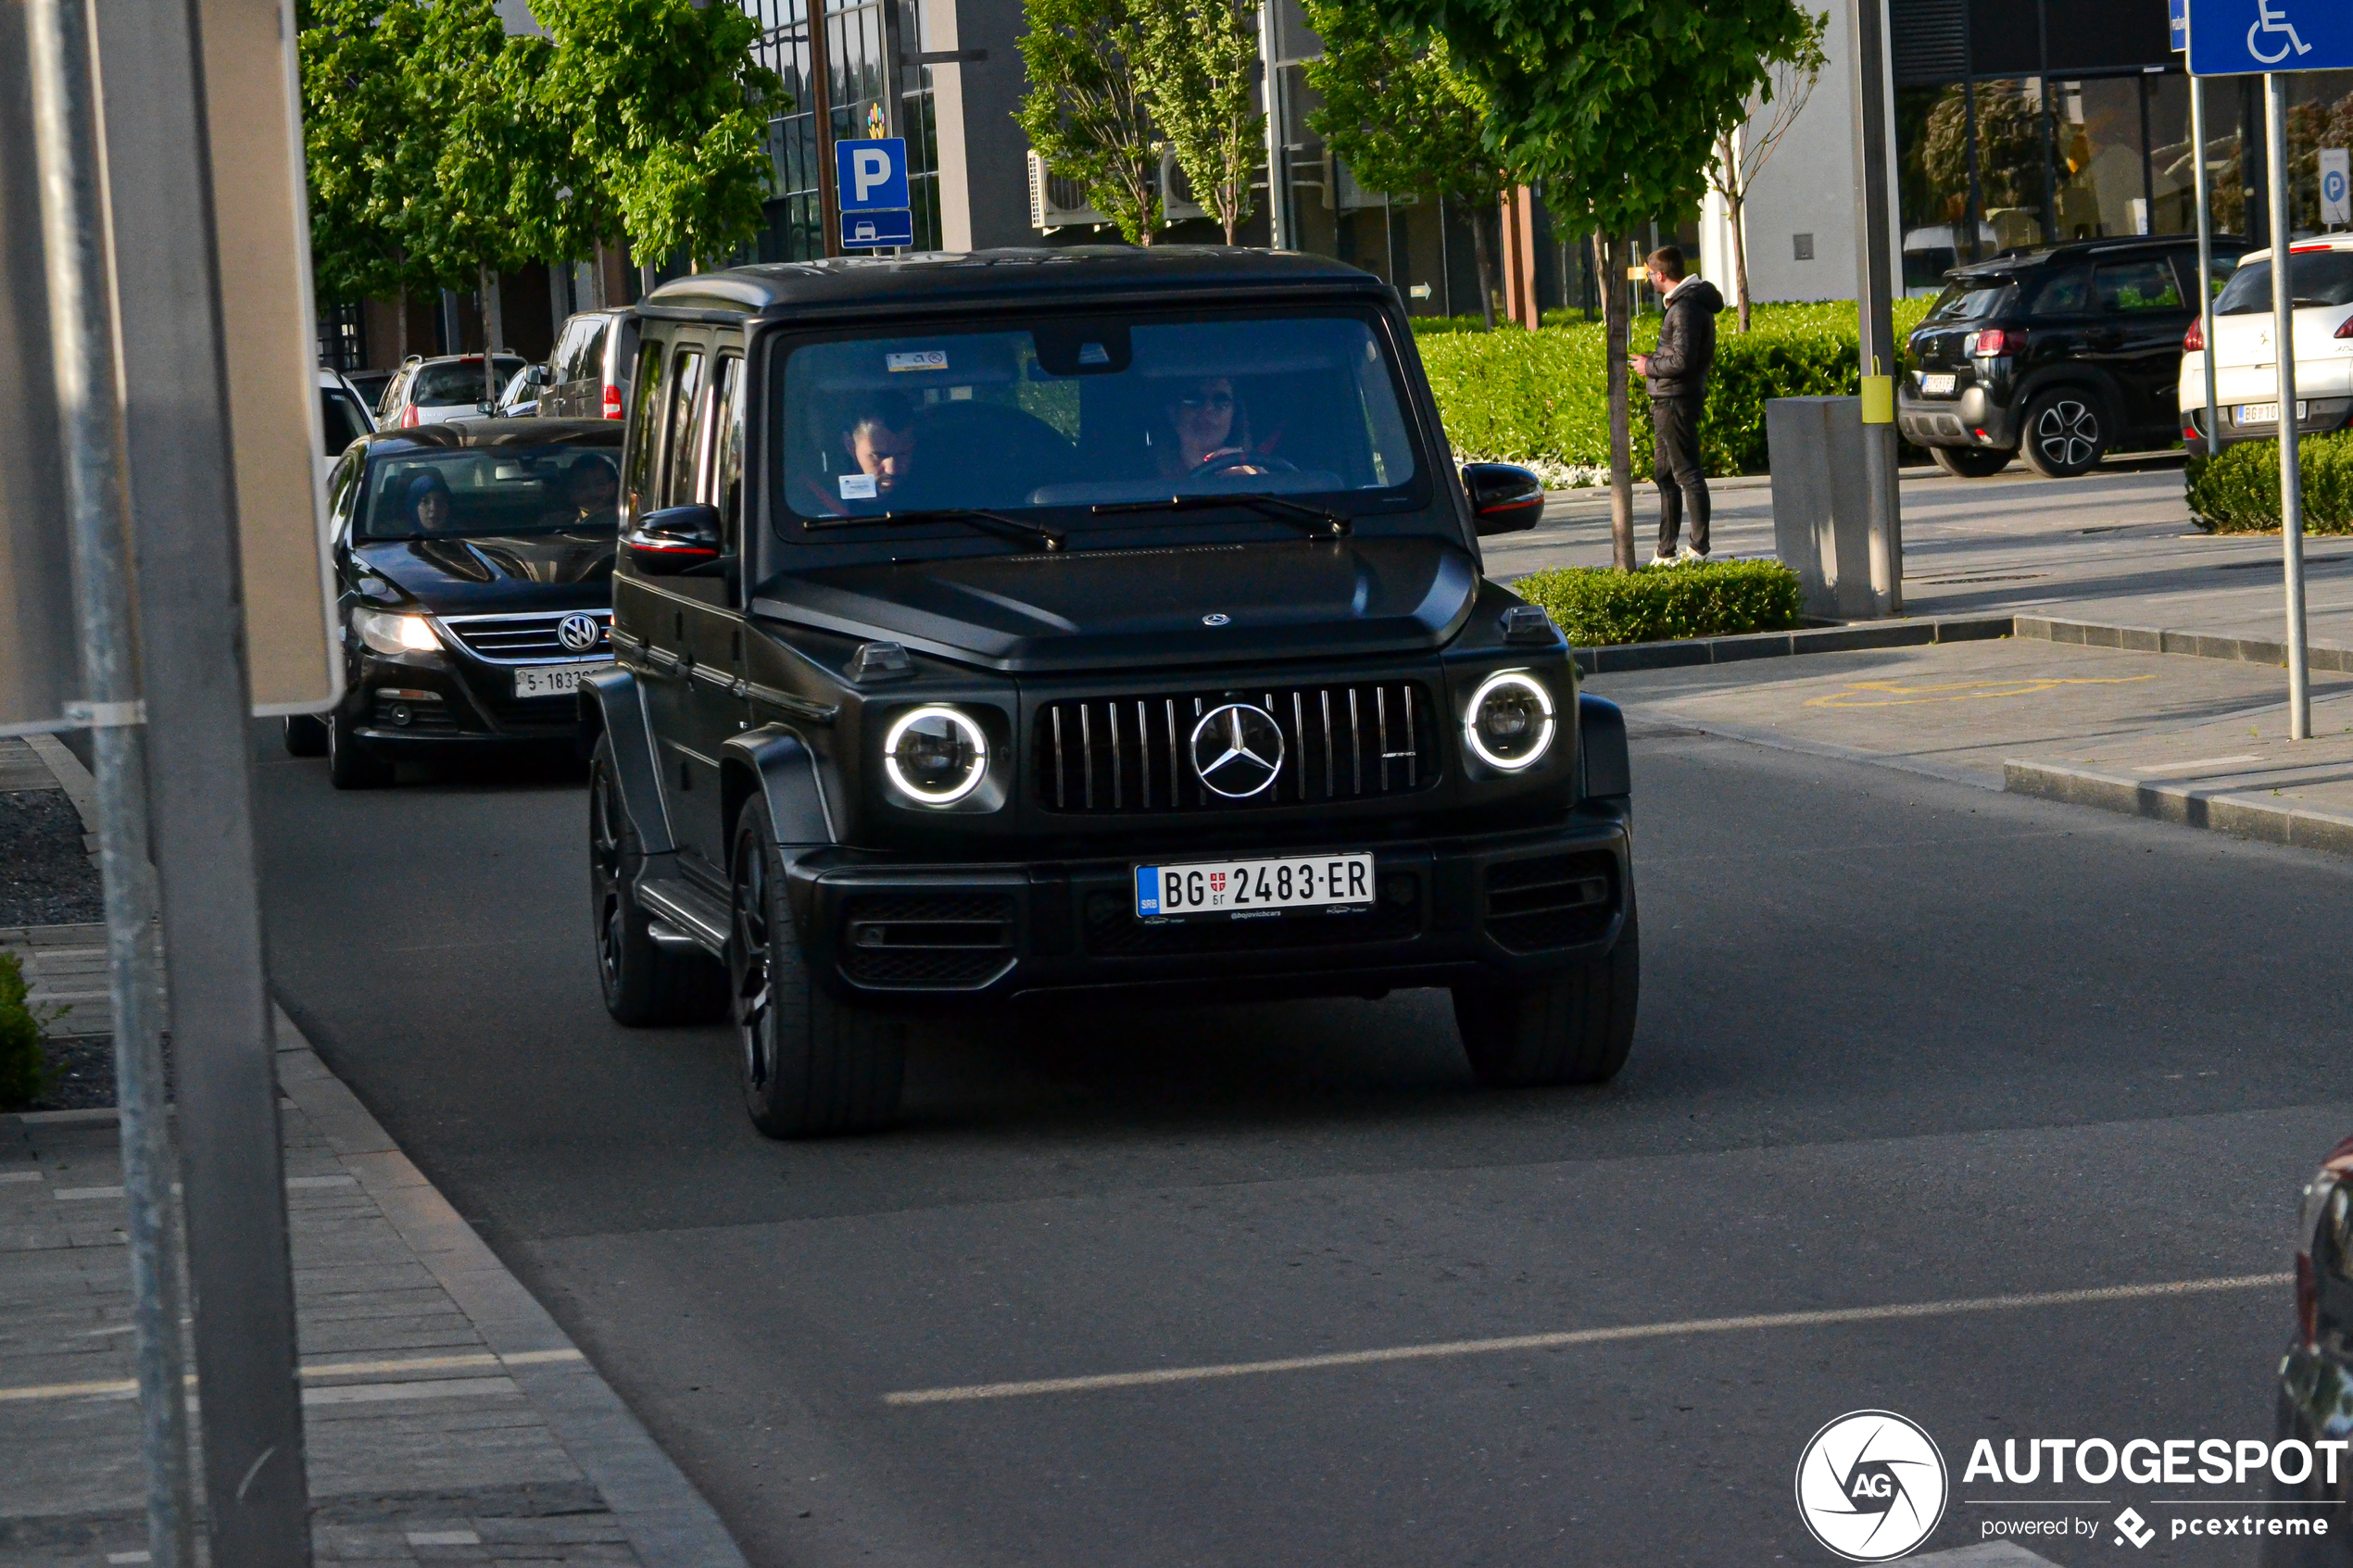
point(1594, 608)
point(1543, 398)
point(2239, 492)
point(24, 1070)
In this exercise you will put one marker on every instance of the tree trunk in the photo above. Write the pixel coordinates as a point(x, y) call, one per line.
point(492, 330)
point(1621, 446)
point(1735, 206)
point(400, 328)
point(1483, 256)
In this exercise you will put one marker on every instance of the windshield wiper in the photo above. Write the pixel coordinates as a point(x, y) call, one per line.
point(1334, 525)
point(987, 521)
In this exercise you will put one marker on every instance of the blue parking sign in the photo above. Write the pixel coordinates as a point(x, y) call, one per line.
point(871, 176)
point(878, 231)
point(2247, 37)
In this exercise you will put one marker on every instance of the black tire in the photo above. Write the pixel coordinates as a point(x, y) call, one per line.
point(1971, 462)
point(350, 765)
point(1574, 1028)
point(810, 1064)
point(2065, 432)
point(644, 984)
point(305, 736)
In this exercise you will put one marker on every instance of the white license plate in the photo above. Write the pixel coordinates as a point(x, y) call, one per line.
point(1937, 386)
point(2267, 413)
point(1246, 888)
point(561, 681)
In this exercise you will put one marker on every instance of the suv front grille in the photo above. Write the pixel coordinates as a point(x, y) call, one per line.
point(528, 638)
point(1130, 756)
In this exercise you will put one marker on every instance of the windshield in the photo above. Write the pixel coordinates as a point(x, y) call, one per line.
point(500, 490)
point(2320, 276)
point(1078, 413)
point(1971, 299)
point(453, 382)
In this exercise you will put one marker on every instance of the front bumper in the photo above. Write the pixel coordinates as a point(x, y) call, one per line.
point(444, 698)
point(1971, 416)
point(1448, 910)
point(2315, 1405)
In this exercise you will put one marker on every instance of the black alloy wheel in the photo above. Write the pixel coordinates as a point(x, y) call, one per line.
point(350, 765)
point(2065, 435)
point(305, 736)
point(1971, 462)
point(809, 1064)
point(1571, 1028)
point(644, 983)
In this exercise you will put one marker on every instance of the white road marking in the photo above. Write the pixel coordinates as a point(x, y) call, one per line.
point(301, 1183)
point(19, 1175)
point(1564, 1339)
point(423, 1388)
point(74, 1195)
point(119, 1387)
point(444, 1537)
point(129, 1557)
point(2194, 765)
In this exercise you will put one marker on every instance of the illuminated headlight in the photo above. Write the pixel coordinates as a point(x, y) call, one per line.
point(935, 756)
point(1510, 724)
point(387, 633)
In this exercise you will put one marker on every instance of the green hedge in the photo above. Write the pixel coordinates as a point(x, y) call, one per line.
point(2239, 492)
point(1596, 606)
point(24, 1069)
point(1542, 397)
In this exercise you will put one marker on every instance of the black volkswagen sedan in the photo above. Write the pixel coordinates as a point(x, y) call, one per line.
point(475, 563)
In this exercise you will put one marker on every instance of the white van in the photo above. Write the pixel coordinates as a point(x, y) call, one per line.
point(2246, 385)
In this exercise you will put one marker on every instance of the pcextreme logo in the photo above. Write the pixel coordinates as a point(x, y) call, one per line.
point(1872, 1486)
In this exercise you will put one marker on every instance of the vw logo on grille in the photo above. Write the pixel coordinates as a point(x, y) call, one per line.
point(1238, 750)
point(578, 632)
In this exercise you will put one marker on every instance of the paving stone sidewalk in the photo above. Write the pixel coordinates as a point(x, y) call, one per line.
point(447, 1418)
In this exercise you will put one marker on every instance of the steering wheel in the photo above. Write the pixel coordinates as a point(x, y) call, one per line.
point(1237, 458)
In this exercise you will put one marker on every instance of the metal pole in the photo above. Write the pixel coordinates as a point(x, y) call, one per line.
point(183, 507)
point(90, 422)
point(1874, 290)
point(2299, 691)
point(2204, 263)
point(1279, 223)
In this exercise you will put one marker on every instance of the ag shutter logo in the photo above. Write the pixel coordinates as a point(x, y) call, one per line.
point(1872, 1486)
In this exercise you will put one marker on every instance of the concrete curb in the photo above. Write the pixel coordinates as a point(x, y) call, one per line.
point(1781, 645)
point(2260, 816)
point(2194, 645)
point(658, 1509)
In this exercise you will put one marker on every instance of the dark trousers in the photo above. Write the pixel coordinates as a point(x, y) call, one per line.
point(1675, 424)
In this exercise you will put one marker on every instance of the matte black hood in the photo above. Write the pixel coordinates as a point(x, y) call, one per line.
point(1196, 604)
point(553, 569)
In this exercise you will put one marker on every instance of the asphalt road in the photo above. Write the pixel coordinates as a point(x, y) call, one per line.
point(1902, 1040)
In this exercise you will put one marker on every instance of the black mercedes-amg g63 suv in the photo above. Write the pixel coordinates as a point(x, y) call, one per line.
point(1099, 623)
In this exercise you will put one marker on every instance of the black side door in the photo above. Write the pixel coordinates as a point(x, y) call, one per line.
point(2142, 316)
point(709, 470)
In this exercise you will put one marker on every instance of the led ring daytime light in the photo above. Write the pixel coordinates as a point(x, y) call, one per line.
point(1508, 684)
point(966, 730)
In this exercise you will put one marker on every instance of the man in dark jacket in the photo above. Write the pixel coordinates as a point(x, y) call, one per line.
point(1676, 374)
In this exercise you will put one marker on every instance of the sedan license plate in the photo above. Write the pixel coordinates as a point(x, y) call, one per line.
point(560, 681)
point(1236, 888)
point(2267, 413)
point(1939, 385)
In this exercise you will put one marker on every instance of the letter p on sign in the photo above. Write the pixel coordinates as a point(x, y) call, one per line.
point(870, 175)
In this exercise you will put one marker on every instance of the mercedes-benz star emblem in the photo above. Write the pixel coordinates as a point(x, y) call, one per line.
point(1216, 619)
point(1238, 750)
point(578, 632)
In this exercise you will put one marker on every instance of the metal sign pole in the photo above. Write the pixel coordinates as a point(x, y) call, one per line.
point(1875, 287)
point(2299, 690)
point(2204, 263)
point(90, 423)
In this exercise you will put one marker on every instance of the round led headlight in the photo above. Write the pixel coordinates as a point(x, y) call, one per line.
point(936, 755)
point(1510, 723)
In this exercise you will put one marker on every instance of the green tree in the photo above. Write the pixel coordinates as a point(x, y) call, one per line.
point(1742, 151)
point(667, 115)
point(1086, 114)
point(1198, 66)
point(1615, 105)
point(1404, 120)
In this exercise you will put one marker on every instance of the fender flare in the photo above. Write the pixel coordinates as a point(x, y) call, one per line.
point(612, 706)
point(1603, 768)
point(777, 763)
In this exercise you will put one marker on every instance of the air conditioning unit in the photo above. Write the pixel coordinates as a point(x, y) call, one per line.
point(1055, 202)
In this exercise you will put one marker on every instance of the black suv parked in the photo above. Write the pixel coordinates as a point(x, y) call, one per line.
point(475, 563)
point(1102, 622)
point(2058, 356)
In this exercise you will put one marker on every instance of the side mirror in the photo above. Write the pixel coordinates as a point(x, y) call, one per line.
point(535, 376)
point(1504, 498)
point(674, 540)
point(486, 408)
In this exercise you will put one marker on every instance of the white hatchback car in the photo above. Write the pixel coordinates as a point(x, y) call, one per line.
point(430, 392)
point(2246, 382)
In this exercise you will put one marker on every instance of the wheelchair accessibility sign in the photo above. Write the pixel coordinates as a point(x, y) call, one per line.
point(2244, 37)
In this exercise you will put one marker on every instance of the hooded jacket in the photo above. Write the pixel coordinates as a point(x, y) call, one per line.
point(1686, 342)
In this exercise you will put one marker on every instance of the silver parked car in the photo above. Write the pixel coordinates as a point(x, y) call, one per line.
point(430, 392)
point(588, 373)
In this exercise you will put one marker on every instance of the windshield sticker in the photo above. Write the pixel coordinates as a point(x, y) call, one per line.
point(921, 359)
point(858, 488)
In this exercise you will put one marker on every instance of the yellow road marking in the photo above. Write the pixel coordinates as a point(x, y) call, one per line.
point(1586, 1337)
point(1900, 694)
